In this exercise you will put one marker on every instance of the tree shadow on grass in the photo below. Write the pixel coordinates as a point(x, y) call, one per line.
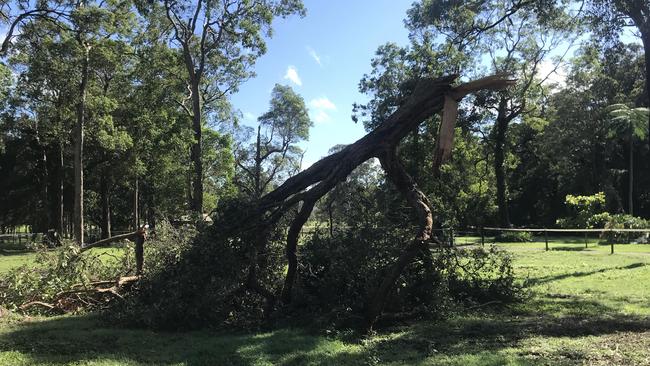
point(547, 279)
point(569, 249)
point(493, 336)
point(486, 338)
point(85, 339)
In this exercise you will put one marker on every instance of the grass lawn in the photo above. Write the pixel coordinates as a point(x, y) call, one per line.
point(13, 259)
point(586, 308)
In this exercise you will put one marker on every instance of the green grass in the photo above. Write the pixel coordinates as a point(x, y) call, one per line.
point(586, 307)
point(13, 259)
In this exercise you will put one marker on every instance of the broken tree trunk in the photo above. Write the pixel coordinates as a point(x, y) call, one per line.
point(306, 188)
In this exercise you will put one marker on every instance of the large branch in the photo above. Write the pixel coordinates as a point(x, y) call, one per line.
point(426, 100)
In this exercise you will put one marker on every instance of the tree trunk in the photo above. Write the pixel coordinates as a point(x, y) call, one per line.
point(645, 38)
point(630, 193)
point(420, 203)
point(501, 129)
point(292, 246)
point(61, 193)
point(136, 208)
point(257, 178)
point(197, 179)
point(106, 206)
point(56, 190)
point(78, 152)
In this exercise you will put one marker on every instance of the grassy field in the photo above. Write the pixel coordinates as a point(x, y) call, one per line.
point(587, 307)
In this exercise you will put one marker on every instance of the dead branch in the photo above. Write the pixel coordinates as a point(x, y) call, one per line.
point(85, 295)
point(112, 239)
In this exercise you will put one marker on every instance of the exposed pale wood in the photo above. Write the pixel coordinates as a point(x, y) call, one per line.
point(445, 140)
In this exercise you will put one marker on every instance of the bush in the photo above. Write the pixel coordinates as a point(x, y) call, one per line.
point(340, 273)
point(513, 237)
point(581, 209)
point(624, 221)
point(195, 280)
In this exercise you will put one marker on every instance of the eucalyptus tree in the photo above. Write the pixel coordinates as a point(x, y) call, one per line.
point(273, 156)
point(45, 96)
point(219, 42)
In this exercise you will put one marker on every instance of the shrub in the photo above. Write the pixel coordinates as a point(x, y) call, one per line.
point(581, 209)
point(513, 237)
point(340, 273)
point(196, 280)
point(624, 221)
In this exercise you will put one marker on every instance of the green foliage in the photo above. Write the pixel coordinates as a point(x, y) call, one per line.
point(582, 209)
point(514, 237)
point(53, 272)
point(340, 273)
point(184, 288)
point(623, 221)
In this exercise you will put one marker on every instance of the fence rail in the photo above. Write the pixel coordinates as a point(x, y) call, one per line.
point(545, 231)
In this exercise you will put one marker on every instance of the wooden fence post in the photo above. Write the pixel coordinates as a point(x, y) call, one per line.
point(586, 246)
point(482, 237)
point(546, 239)
point(451, 237)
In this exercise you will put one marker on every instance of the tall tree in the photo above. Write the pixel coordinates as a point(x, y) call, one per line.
point(273, 156)
point(611, 16)
point(219, 41)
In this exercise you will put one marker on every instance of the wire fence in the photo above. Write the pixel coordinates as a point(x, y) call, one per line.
point(545, 236)
point(609, 236)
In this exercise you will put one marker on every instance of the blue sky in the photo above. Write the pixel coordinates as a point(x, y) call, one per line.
point(323, 56)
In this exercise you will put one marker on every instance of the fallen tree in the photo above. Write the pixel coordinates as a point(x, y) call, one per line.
point(302, 191)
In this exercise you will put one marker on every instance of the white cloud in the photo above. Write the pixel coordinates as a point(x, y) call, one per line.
point(322, 103)
point(248, 116)
point(319, 107)
point(314, 55)
point(320, 116)
point(554, 74)
point(292, 74)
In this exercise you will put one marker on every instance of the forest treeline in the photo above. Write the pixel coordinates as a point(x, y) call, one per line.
point(116, 113)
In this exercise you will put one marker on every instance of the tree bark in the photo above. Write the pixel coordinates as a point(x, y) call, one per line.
point(56, 190)
point(197, 179)
point(501, 128)
point(78, 151)
point(106, 206)
point(396, 173)
point(136, 206)
point(630, 193)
